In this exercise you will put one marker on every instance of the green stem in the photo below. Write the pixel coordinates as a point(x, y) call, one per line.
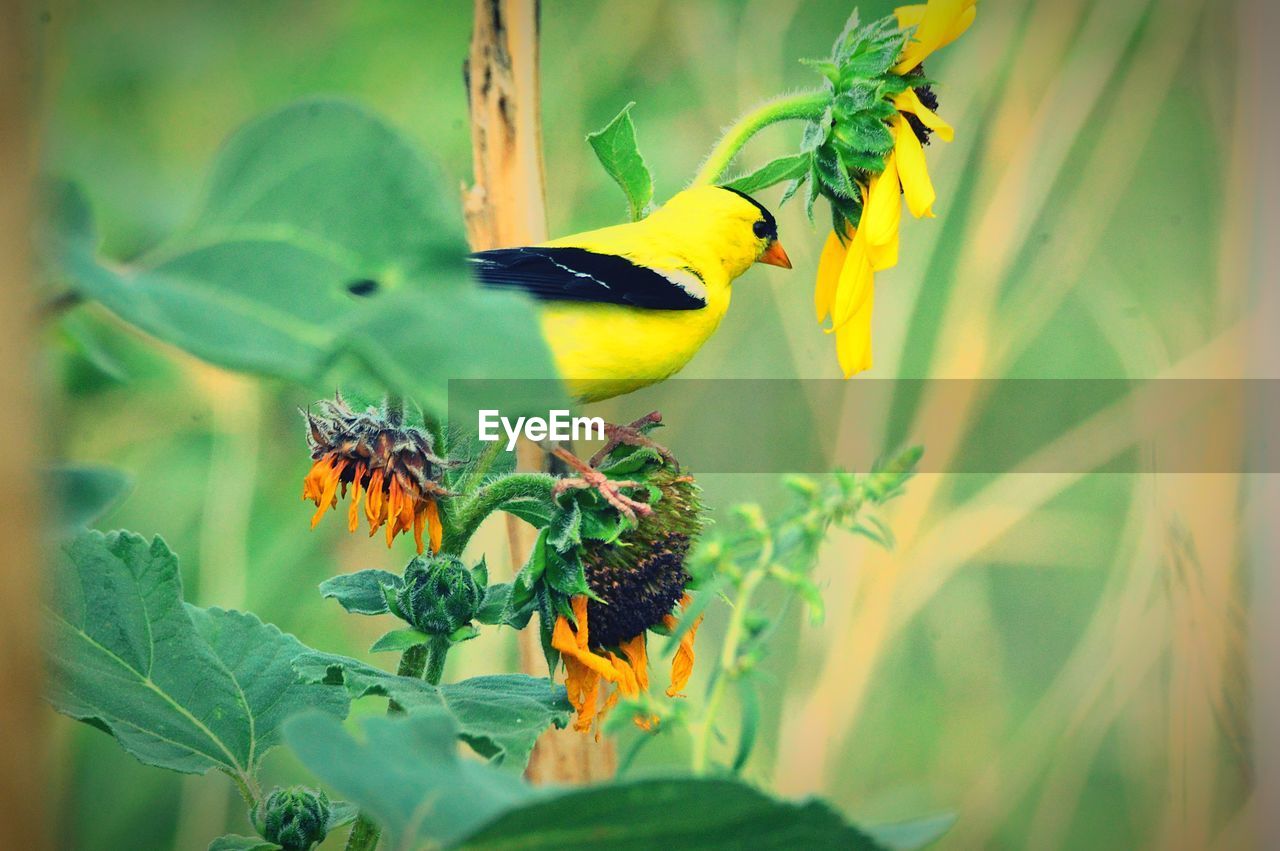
point(804, 105)
point(468, 516)
point(426, 661)
point(437, 650)
point(727, 669)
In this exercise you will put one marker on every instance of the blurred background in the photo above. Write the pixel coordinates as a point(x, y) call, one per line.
point(1063, 660)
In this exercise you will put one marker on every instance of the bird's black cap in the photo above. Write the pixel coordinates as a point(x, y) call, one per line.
point(770, 228)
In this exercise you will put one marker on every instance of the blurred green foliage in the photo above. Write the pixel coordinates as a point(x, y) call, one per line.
point(1028, 665)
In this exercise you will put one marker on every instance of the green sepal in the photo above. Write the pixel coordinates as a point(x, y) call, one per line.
point(565, 531)
point(463, 633)
point(546, 626)
point(618, 151)
point(783, 168)
point(565, 573)
point(399, 640)
point(535, 512)
point(493, 608)
point(828, 69)
point(480, 573)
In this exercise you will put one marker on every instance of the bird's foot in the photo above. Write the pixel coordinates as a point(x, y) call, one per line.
point(590, 477)
point(633, 434)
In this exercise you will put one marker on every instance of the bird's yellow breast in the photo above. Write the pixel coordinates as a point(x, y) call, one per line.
point(604, 350)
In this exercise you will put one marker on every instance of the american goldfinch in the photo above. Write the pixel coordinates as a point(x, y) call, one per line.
point(627, 306)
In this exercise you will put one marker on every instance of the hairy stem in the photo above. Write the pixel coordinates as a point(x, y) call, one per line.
point(423, 659)
point(804, 105)
point(468, 516)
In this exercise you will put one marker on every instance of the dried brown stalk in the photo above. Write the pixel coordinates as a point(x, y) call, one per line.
point(23, 715)
point(507, 206)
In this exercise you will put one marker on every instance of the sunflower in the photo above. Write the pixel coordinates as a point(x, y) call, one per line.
point(379, 458)
point(852, 255)
point(634, 582)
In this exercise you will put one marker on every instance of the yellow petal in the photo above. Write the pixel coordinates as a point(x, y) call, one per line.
point(829, 265)
point(353, 512)
point(855, 280)
point(909, 16)
point(638, 655)
point(942, 22)
point(913, 171)
point(435, 530)
point(883, 210)
point(682, 664)
point(909, 101)
point(885, 256)
point(853, 340)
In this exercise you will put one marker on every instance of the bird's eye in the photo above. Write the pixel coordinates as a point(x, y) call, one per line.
point(761, 229)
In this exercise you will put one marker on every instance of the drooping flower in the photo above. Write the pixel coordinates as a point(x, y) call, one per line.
point(638, 584)
point(375, 455)
point(855, 251)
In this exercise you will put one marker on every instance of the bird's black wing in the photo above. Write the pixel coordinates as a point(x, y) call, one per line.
point(576, 274)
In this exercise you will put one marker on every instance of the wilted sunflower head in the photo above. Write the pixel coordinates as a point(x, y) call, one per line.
point(631, 578)
point(639, 579)
point(377, 456)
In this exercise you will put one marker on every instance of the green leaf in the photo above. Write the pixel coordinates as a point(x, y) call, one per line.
point(615, 145)
point(783, 168)
point(750, 702)
point(84, 494)
point(702, 813)
point(178, 687)
point(362, 592)
point(436, 797)
point(499, 716)
point(908, 835)
point(235, 842)
point(399, 640)
point(325, 241)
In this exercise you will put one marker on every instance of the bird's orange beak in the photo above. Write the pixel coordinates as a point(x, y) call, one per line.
point(774, 255)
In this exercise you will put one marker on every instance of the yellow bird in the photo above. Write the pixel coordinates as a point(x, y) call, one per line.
point(627, 306)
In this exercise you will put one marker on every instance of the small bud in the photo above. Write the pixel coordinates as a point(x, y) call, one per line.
point(295, 819)
point(439, 595)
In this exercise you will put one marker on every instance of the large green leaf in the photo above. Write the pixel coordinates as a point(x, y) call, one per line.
point(688, 812)
point(83, 495)
point(435, 799)
point(179, 687)
point(324, 238)
point(616, 146)
point(406, 775)
point(500, 716)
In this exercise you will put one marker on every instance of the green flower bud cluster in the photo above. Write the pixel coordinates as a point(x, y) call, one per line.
point(439, 595)
point(296, 818)
point(849, 141)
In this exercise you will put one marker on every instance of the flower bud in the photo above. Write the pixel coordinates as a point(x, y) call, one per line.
point(439, 595)
point(295, 819)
